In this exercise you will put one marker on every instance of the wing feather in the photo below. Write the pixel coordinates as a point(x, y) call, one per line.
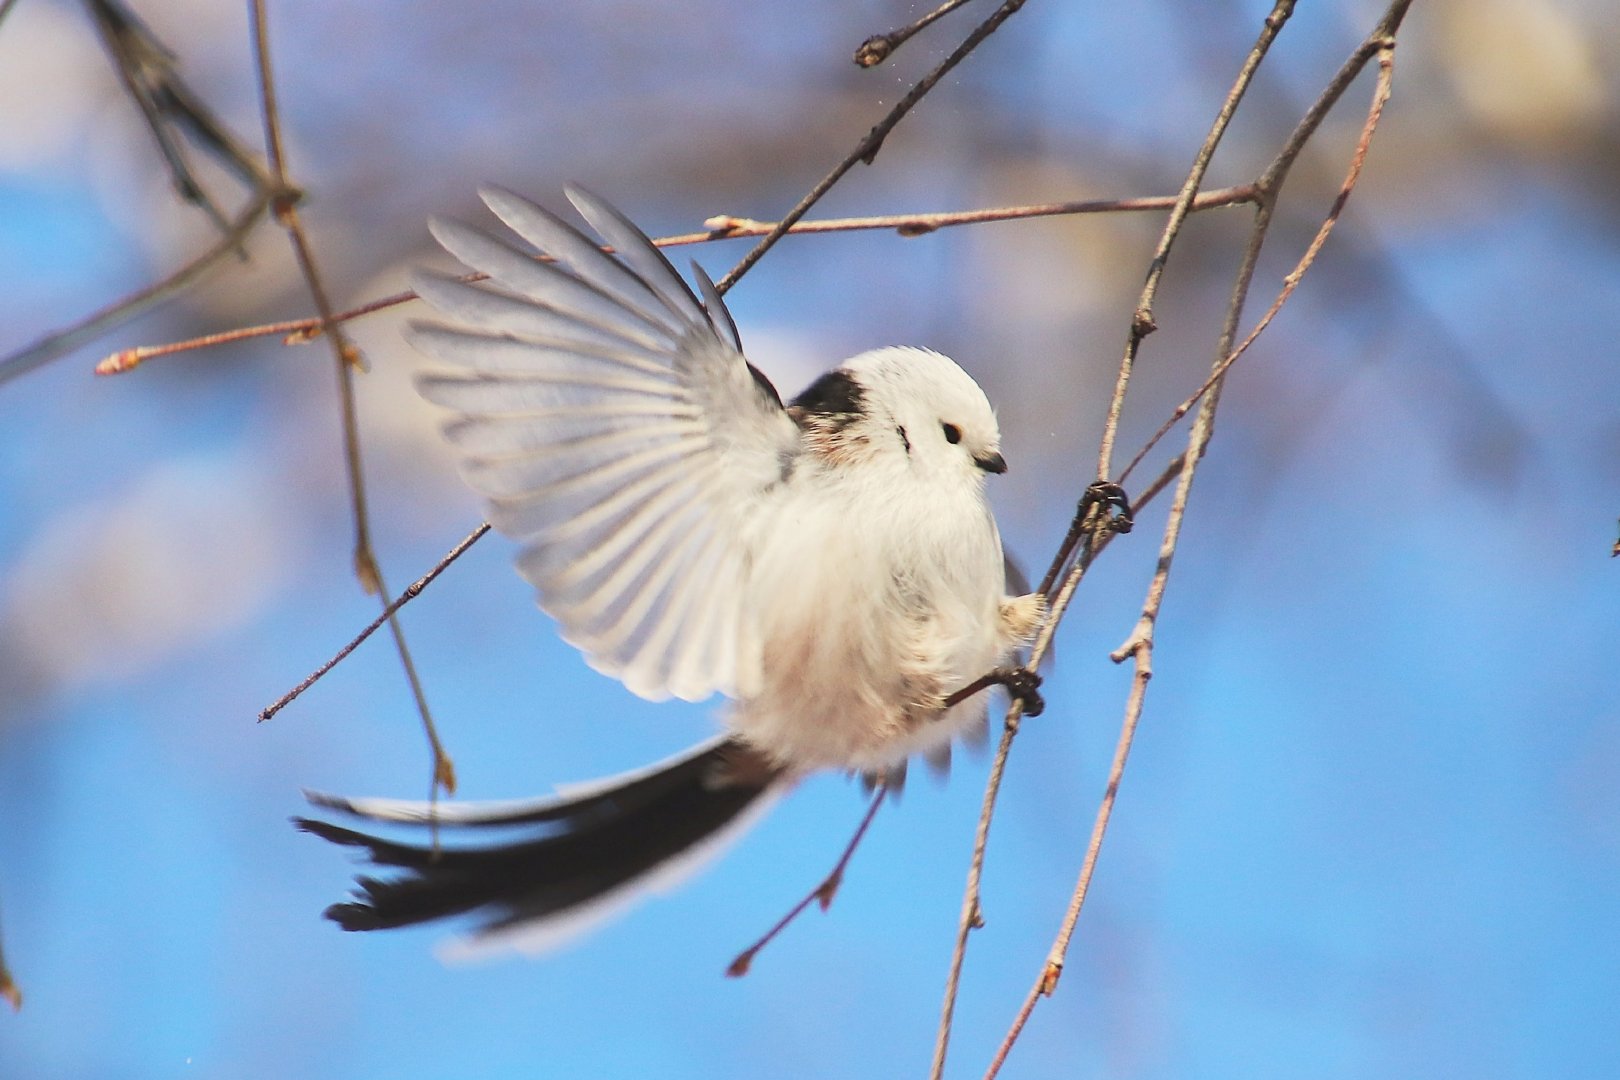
point(619, 434)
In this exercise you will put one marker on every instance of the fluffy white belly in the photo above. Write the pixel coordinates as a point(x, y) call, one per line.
point(864, 626)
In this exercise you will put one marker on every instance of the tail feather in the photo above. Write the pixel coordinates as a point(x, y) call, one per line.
point(607, 841)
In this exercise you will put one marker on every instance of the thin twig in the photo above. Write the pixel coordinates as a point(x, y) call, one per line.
point(62, 341)
point(1138, 647)
point(1141, 325)
point(1382, 46)
point(1141, 648)
point(1091, 545)
point(822, 894)
point(1142, 322)
point(867, 149)
point(411, 593)
point(879, 47)
point(720, 227)
point(284, 205)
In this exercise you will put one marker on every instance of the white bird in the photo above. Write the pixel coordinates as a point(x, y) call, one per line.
point(831, 566)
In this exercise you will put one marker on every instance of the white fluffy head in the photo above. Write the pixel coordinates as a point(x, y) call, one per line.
point(929, 408)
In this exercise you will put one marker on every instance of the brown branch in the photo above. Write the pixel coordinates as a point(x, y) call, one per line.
point(971, 918)
point(411, 592)
point(867, 149)
point(152, 81)
point(147, 70)
point(1382, 46)
point(879, 47)
point(284, 205)
point(720, 227)
point(1138, 647)
point(1142, 323)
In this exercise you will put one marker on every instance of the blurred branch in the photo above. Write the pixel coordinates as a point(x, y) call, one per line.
point(284, 204)
point(8, 985)
point(149, 75)
point(91, 326)
point(720, 227)
point(867, 149)
point(1138, 647)
point(411, 593)
point(147, 71)
point(879, 47)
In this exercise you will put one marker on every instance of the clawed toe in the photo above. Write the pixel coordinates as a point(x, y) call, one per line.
point(1023, 685)
point(1107, 494)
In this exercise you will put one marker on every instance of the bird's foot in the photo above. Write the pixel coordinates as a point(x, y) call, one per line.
point(1108, 495)
point(1022, 685)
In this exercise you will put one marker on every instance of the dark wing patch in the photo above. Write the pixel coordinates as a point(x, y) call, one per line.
point(834, 394)
point(764, 385)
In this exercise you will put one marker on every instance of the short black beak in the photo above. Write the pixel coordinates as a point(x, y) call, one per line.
point(991, 463)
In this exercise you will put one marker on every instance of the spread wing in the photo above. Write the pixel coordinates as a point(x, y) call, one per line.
point(618, 433)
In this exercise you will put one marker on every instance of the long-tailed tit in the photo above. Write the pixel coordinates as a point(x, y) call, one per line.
point(830, 565)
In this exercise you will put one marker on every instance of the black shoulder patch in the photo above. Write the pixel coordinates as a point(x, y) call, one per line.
point(764, 385)
point(835, 393)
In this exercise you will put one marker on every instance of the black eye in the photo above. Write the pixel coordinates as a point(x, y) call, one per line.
point(953, 434)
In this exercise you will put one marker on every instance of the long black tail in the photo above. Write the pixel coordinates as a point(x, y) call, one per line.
point(567, 861)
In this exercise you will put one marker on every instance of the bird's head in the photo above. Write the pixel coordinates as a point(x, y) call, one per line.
point(906, 402)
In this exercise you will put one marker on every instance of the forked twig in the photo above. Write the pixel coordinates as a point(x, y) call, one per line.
point(879, 47)
point(1142, 324)
point(152, 80)
point(867, 149)
point(1139, 646)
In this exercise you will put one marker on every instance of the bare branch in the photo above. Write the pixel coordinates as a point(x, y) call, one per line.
point(62, 341)
point(1142, 323)
point(1089, 533)
point(720, 227)
point(1383, 47)
point(411, 592)
point(284, 205)
point(822, 894)
point(148, 73)
point(867, 149)
point(1138, 647)
point(147, 70)
point(879, 47)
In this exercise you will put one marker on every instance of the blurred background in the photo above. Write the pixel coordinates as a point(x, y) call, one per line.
point(1371, 825)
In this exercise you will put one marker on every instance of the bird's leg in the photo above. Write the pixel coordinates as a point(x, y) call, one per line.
point(821, 894)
